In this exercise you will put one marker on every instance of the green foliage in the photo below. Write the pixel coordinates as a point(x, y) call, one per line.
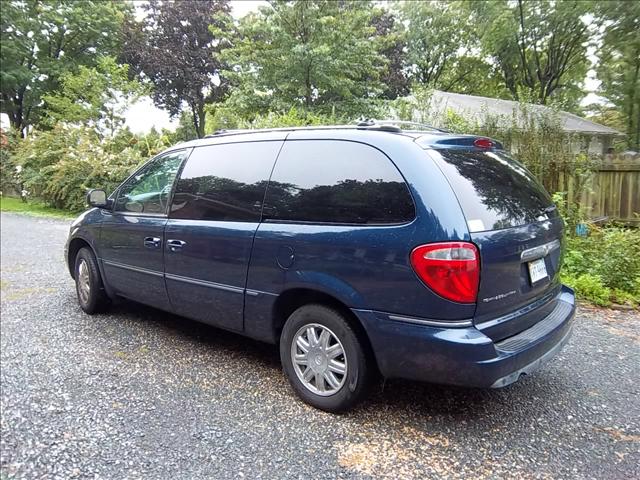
point(59, 166)
point(605, 266)
point(319, 56)
point(94, 96)
point(10, 183)
point(41, 41)
point(221, 117)
point(619, 65)
point(292, 118)
point(619, 267)
point(591, 288)
point(539, 47)
point(440, 38)
point(434, 31)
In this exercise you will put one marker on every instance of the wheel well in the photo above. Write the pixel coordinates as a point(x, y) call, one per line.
point(290, 300)
point(74, 247)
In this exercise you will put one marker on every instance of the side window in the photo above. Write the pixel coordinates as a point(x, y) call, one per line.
point(149, 189)
point(329, 181)
point(225, 182)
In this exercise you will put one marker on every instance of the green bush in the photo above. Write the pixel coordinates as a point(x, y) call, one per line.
point(619, 262)
point(604, 267)
point(60, 165)
point(590, 287)
point(222, 117)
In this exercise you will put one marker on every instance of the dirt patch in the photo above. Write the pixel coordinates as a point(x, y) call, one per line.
point(620, 436)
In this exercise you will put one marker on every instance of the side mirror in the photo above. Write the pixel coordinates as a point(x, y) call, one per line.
point(97, 198)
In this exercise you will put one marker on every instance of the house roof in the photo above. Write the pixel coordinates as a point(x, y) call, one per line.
point(479, 107)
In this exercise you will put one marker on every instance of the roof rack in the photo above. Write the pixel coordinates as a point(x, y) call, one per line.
point(364, 123)
point(371, 122)
point(224, 131)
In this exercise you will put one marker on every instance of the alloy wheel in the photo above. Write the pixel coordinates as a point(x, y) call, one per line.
point(319, 359)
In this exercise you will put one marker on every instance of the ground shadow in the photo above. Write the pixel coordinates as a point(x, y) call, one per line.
point(427, 399)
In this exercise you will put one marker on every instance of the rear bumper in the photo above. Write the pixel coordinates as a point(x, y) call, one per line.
point(466, 356)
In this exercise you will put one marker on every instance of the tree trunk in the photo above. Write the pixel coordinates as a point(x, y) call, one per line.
point(15, 120)
point(199, 119)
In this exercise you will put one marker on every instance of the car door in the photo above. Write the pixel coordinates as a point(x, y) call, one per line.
point(214, 215)
point(132, 233)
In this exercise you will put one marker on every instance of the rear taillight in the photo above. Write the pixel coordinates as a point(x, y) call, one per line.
point(484, 143)
point(451, 269)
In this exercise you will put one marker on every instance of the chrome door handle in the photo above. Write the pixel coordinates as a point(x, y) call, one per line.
point(175, 245)
point(152, 242)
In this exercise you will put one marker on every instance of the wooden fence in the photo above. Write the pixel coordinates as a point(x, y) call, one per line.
point(613, 191)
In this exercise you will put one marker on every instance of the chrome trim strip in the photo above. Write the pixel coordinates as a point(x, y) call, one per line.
point(255, 293)
point(132, 268)
point(540, 250)
point(433, 323)
point(204, 283)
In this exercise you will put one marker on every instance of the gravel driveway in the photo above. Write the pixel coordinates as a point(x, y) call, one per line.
point(139, 393)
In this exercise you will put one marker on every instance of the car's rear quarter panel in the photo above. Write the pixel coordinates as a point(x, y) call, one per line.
point(363, 266)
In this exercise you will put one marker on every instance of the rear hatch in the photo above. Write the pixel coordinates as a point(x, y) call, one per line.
point(512, 220)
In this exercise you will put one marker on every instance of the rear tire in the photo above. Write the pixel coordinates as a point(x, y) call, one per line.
point(89, 288)
point(323, 359)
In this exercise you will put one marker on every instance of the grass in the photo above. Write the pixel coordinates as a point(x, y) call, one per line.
point(33, 208)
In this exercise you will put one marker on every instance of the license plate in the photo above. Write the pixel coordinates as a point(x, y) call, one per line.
point(537, 270)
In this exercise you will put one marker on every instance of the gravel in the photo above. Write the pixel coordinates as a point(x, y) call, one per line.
point(138, 393)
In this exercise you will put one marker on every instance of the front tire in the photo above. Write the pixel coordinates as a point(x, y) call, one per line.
point(91, 295)
point(323, 358)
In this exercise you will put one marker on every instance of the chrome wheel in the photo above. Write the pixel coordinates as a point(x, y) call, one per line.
point(83, 282)
point(319, 359)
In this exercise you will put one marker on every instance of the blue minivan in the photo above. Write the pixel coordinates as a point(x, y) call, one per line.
point(360, 250)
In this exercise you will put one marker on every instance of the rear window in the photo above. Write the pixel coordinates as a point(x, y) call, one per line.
point(494, 190)
point(330, 181)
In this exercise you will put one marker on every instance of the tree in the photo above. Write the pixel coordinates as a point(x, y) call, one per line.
point(175, 50)
point(619, 65)
point(393, 48)
point(40, 41)
point(538, 46)
point(434, 33)
point(319, 55)
point(441, 40)
point(94, 96)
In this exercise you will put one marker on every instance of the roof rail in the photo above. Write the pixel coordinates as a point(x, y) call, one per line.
point(371, 122)
point(222, 132)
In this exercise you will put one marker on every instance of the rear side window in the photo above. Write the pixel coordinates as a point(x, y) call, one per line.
point(494, 190)
point(331, 181)
point(225, 182)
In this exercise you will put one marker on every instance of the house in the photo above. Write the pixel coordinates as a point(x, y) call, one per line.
point(586, 136)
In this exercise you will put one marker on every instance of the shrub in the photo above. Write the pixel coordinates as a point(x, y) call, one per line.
point(590, 287)
point(619, 262)
point(60, 165)
point(605, 266)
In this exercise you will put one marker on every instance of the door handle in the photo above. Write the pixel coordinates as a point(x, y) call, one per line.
point(152, 242)
point(176, 245)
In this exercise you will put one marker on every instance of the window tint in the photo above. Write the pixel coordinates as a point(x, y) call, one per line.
point(330, 181)
point(225, 182)
point(494, 190)
point(148, 190)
